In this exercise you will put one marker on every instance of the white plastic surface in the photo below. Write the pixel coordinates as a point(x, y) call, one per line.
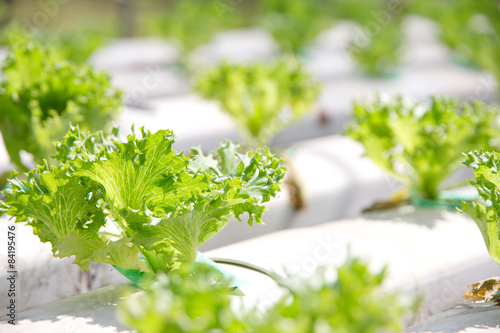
point(133, 53)
point(42, 278)
point(463, 318)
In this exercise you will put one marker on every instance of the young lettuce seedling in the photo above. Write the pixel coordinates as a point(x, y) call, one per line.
point(379, 55)
point(107, 200)
point(294, 23)
point(470, 28)
point(41, 95)
point(420, 145)
point(182, 302)
point(262, 98)
point(375, 43)
point(361, 12)
point(191, 24)
point(352, 303)
point(75, 45)
point(188, 303)
point(487, 181)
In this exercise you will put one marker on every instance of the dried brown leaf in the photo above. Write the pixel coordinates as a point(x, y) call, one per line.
point(484, 291)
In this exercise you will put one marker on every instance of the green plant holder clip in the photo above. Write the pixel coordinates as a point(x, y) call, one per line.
point(132, 275)
point(462, 61)
point(388, 74)
point(304, 53)
point(447, 199)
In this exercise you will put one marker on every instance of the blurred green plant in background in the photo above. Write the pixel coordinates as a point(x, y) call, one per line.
point(377, 41)
point(294, 23)
point(422, 146)
point(42, 94)
point(353, 303)
point(466, 26)
point(75, 45)
point(380, 55)
point(190, 24)
point(262, 98)
point(359, 11)
point(183, 302)
point(470, 28)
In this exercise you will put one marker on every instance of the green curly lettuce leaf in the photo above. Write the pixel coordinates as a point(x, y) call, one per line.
point(422, 145)
point(63, 210)
point(487, 182)
point(42, 95)
point(262, 98)
point(108, 200)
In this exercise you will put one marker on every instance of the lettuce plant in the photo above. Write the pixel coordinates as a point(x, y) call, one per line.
point(375, 44)
point(352, 303)
point(41, 95)
point(294, 23)
point(75, 45)
point(487, 181)
point(107, 200)
point(191, 24)
point(188, 303)
point(470, 28)
point(360, 12)
point(262, 98)
point(379, 56)
point(422, 145)
point(182, 302)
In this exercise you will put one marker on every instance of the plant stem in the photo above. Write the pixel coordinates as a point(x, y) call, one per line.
point(276, 277)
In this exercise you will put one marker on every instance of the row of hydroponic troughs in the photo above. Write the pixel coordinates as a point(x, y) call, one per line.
point(149, 82)
point(469, 28)
point(141, 68)
point(99, 197)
